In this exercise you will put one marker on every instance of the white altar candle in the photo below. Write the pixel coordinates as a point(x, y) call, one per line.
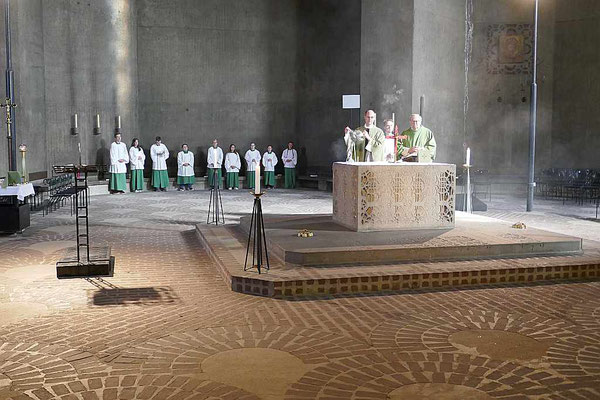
point(468, 156)
point(75, 124)
point(257, 179)
point(119, 121)
point(393, 121)
point(97, 120)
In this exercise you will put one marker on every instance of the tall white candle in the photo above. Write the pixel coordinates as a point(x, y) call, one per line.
point(257, 179)
point(468, 156)
point(393, 120)
point(119, 121)
point(97, 120)
point(79, 147)
point(75, 122)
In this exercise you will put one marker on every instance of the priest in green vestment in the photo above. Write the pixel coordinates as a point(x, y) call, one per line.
point(419, 141)
point(365, 143)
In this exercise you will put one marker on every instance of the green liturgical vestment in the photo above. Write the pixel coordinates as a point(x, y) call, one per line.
point(376, 144)
point(421, 138)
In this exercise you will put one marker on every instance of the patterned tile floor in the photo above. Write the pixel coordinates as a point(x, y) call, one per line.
point(166, 326)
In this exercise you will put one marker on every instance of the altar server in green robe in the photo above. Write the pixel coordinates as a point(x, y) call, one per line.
point(214, 160)
point(232, 166)
point(290, 159)
point(159, 155)
point(419, 141)
point(137, 159)
point(118, 165)
point(269, 161)
point(252, 158)
point(185, 168)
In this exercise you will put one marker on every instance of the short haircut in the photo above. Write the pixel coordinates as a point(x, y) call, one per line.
point(385, 121)
point(158, 138)
point(185, 144)
point(371, 111)
point(117, 133)
point(417, 116)
point(252, 143)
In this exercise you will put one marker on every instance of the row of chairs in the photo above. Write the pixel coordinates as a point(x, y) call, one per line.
point(574, 184)
point(59, 189)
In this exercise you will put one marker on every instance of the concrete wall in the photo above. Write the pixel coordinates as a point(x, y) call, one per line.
point(387, 59)
point(72, 57)
point(329, 65)
point(222, 69)
point(274, 70)
point(576, 120)
point(438, 73)
point(498, 117)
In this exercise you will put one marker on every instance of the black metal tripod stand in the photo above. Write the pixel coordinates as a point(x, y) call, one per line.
point(256, 235)
point(215, 204)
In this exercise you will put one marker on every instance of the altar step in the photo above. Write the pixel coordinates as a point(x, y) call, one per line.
point(226, 245)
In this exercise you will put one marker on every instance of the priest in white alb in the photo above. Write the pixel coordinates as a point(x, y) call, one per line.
point(290, 159)
point(137, 159)
point(232, 167)
point(269, 161)
point(159, 155)
point(185, 168)
point(252, 158)
point(119, 158)
point(214, 160)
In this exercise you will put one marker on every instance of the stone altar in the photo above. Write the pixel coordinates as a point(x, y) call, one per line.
point(385, 196)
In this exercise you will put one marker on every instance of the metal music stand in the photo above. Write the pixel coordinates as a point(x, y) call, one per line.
point(86, 262)
point(256, 235)
point(215, 203)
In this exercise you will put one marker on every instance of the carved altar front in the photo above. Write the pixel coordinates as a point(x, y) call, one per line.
point(384, 196)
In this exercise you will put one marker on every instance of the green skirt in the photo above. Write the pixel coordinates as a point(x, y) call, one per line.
point(233, 180)
point(160, 178)
point(211, 176)
point(290, 178)
point(250, 179)
point(117, 182)
point(136, 182)
point(186, 180)
point(270, 178)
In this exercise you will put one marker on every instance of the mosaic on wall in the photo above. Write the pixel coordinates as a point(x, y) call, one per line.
point(509, 48)
point(401, 196)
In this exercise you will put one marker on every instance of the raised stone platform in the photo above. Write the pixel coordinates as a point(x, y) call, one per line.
point(479, 251)
point(472, 238)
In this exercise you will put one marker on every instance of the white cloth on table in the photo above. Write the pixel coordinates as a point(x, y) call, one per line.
point(21, 191)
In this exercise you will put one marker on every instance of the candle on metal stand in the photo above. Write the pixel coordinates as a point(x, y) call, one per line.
point(468, 156)
point(75, 122)
point(257, 179)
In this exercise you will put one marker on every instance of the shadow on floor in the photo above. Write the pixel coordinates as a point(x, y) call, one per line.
point(134, 296)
